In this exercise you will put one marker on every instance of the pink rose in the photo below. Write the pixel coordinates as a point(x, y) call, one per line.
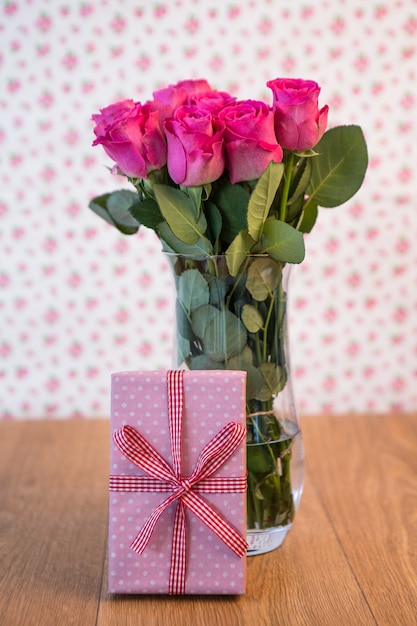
point(250, 140)
point(131, 135)
point(299, 124)
point(195, 146)
point(170, 98)
point(212, 100)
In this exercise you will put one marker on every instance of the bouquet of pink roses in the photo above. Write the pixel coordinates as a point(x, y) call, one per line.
point(230, 187)
point(214, 175)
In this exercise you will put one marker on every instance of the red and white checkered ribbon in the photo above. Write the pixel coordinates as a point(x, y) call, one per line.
point(161, 477)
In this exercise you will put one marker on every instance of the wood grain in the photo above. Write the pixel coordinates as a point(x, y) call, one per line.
point(365, 473)
point(53, 521)
point(351, 557)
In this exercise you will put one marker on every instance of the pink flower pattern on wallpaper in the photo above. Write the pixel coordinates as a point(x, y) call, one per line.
point(79, 301)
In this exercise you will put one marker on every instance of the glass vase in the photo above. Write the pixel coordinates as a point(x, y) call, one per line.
point(239, 322)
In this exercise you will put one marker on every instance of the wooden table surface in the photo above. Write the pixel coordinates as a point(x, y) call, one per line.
point(350, 559)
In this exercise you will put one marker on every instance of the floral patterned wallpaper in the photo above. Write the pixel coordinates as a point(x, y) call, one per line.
point(78, 300)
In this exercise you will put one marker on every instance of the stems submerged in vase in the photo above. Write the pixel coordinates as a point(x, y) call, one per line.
point(269, 454)
point(239, 323)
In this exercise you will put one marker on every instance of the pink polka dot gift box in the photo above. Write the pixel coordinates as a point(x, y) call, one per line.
point(177, 522)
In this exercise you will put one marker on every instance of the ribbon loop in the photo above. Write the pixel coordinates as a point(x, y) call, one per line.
point(218, 450)
point(140, 452)
point(184, 489)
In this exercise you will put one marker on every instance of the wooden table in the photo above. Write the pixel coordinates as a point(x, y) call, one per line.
point(350, 559)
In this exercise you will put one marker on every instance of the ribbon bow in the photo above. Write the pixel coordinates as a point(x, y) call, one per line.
point(161, 477)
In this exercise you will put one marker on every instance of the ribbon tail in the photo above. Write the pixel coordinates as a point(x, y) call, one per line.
point(220, 526)
point(142, 538)
point(178, 560)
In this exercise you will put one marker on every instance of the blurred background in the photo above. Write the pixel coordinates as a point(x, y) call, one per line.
point(79, 301)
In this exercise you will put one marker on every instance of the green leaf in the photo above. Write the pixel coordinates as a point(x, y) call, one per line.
point(218, 289)
point(294, 210)
point(178, 210)
point(214, 223)
point(262, 197)
point(201, 318)
point(273, 381)
point(118, 204)
point(147, 213)
point(238, 250)
point(194, 193)
point(183, 324)
point(308, 218)
point(301, 178)
point(241, 360)
point(264, 275)
point(252, 318)
point(114, 208)
point(171, 243)
point(207, 191)
point(282, 242)
point(339, 169)
point(99, 206)
point(183, 348)
point(224, 334)
point(192, 290)
point(244, 362)
point(232, 202)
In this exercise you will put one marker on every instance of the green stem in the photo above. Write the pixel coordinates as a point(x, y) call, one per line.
point(256, 505)
point(286, 188)
point(258, 349)
point(265, 329)
point(242, 274)
point(280, 322)
point(212, 267)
